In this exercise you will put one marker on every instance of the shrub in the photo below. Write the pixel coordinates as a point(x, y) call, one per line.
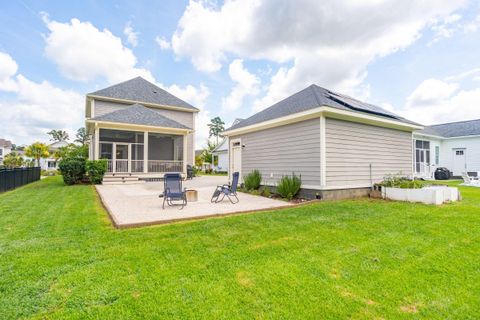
point(96, 170)
point(396, 181)
point(266, 192)
point(72, 169)
point(288, 187)
point(253, 180)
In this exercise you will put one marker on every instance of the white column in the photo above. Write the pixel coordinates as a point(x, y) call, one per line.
point(145, 152)
point(185, 153)
point(114, 157)
point(97, 144)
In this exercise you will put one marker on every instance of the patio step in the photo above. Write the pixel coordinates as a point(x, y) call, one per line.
point(121, 179)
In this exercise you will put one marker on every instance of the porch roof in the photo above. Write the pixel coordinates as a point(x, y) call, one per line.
point(138, 114)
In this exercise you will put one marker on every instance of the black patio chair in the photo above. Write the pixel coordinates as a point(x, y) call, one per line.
point(229, 190)
point(173, 190)
point(189, 172)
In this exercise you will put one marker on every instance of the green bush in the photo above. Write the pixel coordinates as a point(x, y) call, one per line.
point(96, 170)
point(253, 180)
point(72, 169)
point(396, 181)
point(288, 187)
point(266, 192)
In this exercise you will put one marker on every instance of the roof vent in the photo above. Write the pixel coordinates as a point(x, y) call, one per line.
point(154, 91)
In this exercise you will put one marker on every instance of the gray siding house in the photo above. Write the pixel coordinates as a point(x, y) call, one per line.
point(140, 129)
point(340, 146)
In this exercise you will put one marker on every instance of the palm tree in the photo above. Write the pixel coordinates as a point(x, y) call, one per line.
point(37, 150)
point(13, 160)
point(216, 126)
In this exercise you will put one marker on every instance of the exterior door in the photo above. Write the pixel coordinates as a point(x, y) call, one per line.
point(459, 161)
point(121, 157)
point(236, 158)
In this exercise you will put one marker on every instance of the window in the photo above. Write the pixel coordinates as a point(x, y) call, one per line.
point(52, 165)
point(422, 155)
point(437, 155)
point(459, 152)
point(106, 151)
point(1, 152)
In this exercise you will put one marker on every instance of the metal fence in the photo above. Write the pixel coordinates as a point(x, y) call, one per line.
point(14, 178)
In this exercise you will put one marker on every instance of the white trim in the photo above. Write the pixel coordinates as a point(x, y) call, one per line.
point(445, 138)
point(185, 153)
point(155, 105)
point(145, 152)
point(97, 144)
point(323, 152)
point(329, 112)
point(92, 108)
point(138, 127)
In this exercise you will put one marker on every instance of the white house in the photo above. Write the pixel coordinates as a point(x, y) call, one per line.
point(221, 152)
point(5, 148)
point(455, 146)
point(51, 163)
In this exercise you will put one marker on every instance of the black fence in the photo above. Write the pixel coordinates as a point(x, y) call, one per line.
point(14, 178)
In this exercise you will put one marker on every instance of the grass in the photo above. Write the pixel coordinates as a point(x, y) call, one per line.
point(361, 259)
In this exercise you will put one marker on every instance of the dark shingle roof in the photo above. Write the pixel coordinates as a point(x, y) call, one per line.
point(453, 129)
point(139, 89)
point(314, 97)
point(141, 115)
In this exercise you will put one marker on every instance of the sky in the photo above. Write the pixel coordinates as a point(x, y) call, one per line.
point(419, 59)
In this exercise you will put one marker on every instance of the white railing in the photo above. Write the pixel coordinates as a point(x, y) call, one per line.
point(425, 171)
point(121, 165)
point(137, 165)
point(165, 166)
point(109, 166)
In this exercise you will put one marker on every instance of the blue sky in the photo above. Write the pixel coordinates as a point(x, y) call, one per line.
point(234, 58)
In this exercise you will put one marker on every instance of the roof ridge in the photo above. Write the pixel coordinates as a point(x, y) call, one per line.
point(312, 87)
point(462, 121)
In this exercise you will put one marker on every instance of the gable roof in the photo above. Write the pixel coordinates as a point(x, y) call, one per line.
point(5, 143)
point(313, 97)
point(141, 90)
point(222, 146)
point(140, 115)
point(453, 129)
point(58, 144)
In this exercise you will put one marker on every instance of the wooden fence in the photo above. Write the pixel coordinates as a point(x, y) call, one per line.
point(14, 178)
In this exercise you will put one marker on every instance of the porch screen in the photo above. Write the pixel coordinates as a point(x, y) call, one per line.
point(165, 147)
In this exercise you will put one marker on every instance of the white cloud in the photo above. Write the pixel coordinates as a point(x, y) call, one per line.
point(437, 101)
point(8, 68)
point(132, 36)
point(196, 96)
point(329, 44)
point(246, 84)
point(84, 53)
point(163, 43)
point(38, 108)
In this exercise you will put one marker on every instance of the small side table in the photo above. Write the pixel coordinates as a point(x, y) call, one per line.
point(192, 195)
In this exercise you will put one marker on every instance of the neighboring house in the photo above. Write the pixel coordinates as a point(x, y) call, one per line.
point(51, 163)
point(455, 146)
point(5, 148)
point(140, 128)
point(340, 146)
point(221, 152)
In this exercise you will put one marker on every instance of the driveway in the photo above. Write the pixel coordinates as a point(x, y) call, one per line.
point(139, 204)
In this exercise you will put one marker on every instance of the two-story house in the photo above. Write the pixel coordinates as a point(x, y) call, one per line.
point(141, 129)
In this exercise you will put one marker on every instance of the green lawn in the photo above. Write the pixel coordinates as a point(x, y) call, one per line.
point(61, 258)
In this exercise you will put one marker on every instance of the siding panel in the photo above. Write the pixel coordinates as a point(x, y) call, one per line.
point(352, 147)
point(282, 150)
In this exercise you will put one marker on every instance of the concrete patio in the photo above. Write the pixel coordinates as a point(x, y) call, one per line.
point(139, 204)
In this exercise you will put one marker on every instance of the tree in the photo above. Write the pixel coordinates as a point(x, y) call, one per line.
point(82, 136)
point(13, 160)
point(216, 126)
point(198, 161)
point(37, 150)
point(207, 152)
point(58, 135)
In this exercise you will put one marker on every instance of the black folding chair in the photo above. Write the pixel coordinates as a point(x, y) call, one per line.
point(229, 190)
point(173, 190)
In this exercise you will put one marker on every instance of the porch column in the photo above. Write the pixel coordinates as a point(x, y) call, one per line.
point(145, 152)
point(96, 155)
point(185, 153)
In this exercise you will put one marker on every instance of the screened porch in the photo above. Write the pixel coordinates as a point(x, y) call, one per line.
point(141, 152)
